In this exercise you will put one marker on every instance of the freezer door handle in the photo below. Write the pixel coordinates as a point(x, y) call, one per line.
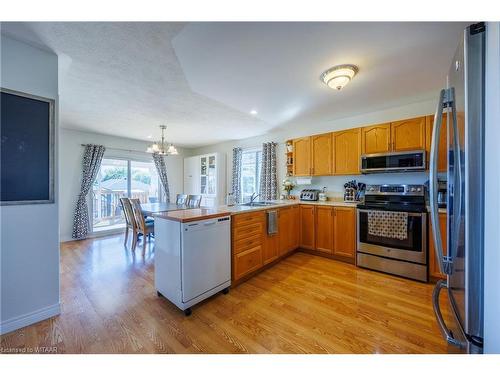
point(447, 334)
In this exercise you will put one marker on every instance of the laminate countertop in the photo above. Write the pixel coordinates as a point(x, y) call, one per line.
point(192, 214)
point(195, 214)
point(239, 209)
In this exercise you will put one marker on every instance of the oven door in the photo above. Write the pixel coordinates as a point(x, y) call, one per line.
point(411, 249)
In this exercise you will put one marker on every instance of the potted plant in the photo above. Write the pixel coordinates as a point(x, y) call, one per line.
point(288, 187)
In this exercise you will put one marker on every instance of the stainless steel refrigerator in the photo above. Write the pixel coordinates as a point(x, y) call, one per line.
point(462, 101)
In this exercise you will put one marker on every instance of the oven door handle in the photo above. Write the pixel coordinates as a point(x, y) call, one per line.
point(415, 214)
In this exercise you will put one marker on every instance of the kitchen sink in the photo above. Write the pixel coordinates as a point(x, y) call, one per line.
point(258, 204)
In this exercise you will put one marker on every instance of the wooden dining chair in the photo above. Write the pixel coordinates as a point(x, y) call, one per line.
point(193, 201)
point(181, 199)
point(129, 217)
point(144, 227)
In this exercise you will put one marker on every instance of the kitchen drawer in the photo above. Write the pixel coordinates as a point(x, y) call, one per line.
point(247, 261)
point(251, 217)
point(247, 243)
point(245, 231)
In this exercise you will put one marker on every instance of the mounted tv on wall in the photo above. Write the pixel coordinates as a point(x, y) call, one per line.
point(27, 141)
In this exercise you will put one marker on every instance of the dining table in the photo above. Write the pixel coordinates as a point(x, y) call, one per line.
point(148, 209)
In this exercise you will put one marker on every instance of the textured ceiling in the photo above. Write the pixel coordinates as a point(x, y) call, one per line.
point(203, 79)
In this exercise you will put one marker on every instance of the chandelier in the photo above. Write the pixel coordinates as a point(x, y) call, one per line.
point(161, 147)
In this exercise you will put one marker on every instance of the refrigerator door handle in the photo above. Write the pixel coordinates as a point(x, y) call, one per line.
point(457, 181)
point(433, 182)
point(447, 334)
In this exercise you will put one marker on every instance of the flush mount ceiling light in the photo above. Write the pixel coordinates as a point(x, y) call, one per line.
point(339, 76)
point(161, 147)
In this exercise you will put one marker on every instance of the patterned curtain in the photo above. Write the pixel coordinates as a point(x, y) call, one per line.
point(161, 168)
point(268, 176)
point(236, 179)
point(92, 158)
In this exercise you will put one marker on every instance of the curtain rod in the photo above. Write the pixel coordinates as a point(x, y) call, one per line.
point(119, 149)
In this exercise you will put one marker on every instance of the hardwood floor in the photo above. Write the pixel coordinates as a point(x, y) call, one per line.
point(304, 304)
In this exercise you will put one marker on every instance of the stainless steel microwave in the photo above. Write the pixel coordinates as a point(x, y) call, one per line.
point(405, 161)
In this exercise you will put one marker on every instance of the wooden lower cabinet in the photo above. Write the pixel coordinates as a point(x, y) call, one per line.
point(247, 261)
point(307, 227)
point(247, 243)
point(270, 251)
point(344, 231)
point(433, 263)
point(294, 228)
point(324, 229)
point(252, 248)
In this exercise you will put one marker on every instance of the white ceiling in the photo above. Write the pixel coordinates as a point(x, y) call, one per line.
point(203, 79)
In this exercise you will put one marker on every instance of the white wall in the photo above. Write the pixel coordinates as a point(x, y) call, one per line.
point(492, 183)
point(29, 244)
point(334, 184)
point(71, 154)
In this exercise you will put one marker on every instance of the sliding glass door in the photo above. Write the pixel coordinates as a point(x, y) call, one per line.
point(144, 182)
point(119, 178)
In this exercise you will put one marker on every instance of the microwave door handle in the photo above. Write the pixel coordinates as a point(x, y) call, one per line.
point(433, 182)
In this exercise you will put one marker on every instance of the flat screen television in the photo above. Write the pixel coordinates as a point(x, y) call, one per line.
point(26, 148)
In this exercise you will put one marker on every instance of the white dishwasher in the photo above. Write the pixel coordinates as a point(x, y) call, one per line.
point(192, 259)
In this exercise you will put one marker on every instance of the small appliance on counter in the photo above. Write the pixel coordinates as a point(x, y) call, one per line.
point(309, 195)
point(322, 196)
point(353, 192)
point(230, 199)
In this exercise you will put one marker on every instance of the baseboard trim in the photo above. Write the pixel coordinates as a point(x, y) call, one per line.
point(28, 319)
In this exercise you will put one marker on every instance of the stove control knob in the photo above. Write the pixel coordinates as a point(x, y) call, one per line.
point(412, 189)
point(419, 189)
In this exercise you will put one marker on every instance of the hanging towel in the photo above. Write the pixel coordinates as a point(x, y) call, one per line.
point(388, 224)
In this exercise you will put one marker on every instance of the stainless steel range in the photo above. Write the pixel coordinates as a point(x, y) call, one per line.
point(392, 230)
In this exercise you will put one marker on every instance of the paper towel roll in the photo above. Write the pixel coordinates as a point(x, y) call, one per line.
point(303, 180)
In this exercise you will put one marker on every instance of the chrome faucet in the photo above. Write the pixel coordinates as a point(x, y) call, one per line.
point(254, 197)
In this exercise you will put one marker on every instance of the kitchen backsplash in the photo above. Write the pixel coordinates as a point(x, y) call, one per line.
point(335, 184)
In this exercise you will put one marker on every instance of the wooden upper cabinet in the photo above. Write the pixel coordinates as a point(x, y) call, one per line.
point(408, 134)
point(321, 146)
point(442, 163)
point(344, 229)
point(302, 156)
point(307, 236)
point(433, 263)
point(376, 139)
point(324, 229)
point(347, 151)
